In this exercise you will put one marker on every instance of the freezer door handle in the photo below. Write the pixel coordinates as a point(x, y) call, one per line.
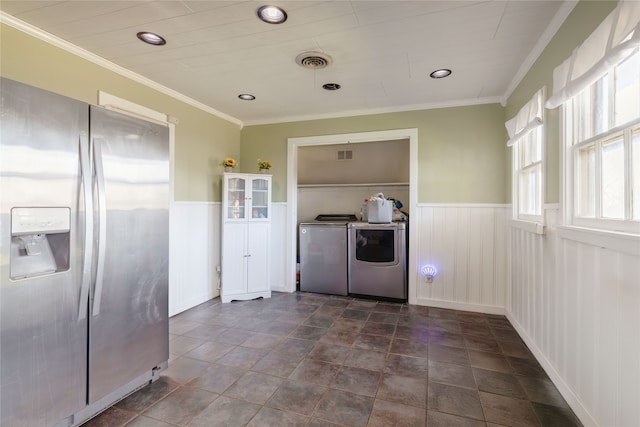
point(102, 224)
point(87, 187)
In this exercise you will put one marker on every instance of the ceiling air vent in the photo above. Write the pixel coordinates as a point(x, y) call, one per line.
point(314, 60)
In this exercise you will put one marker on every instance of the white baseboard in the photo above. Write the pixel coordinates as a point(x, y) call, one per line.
point(280, 288)
point(192, 301)
point(477, 308)
point(572, 400)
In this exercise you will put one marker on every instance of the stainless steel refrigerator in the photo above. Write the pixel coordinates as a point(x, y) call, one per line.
point(84, 224)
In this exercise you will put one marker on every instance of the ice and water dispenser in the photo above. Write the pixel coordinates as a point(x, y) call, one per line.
point(39, 241)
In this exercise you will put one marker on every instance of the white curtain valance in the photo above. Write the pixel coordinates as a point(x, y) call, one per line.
point(528, 118)
point(615, 39)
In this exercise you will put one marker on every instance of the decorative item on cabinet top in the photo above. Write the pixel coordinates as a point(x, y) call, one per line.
point(229, 163)
point(264, 166)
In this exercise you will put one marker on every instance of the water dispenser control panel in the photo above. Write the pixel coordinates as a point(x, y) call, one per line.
point(39, 241)
point(39, 220)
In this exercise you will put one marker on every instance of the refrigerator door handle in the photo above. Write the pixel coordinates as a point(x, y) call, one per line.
point(102, 224)
point(87, 187)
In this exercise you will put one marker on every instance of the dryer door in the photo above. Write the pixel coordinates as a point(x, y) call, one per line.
point(377, 264)
point(374, 245)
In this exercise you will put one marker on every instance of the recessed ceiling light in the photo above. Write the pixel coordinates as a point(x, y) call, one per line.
point(438, 74)
point(272, 14)
point(331, 86)
point(151, 38)
point(246, 97)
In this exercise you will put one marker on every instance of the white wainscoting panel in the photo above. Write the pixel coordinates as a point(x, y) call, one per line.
point(194, 254)
point(468, 246)
point(278, 246)
point(577, 306)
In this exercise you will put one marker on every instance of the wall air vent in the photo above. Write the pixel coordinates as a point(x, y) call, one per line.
point(345, 155)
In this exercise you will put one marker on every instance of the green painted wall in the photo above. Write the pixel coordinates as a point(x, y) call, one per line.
point(461, 150)
point(584, 18)
point(202, 139)
point(461, 155)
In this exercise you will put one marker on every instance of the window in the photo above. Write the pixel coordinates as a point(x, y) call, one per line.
point(602, 137)
point(526, 137)
point(527, 160)
point(598, 87)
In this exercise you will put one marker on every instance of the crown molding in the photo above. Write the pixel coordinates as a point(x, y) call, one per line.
point(49, 38)
point(543, 41)
point(368, 112)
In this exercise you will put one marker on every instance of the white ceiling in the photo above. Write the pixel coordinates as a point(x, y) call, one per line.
point(383, 51)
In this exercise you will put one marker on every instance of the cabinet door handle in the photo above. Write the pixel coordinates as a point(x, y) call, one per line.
point(247, 256)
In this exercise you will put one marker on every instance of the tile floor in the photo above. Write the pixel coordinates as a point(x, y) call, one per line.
point(317, 360)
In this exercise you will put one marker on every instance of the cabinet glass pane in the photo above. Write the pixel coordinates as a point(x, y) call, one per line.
point(260, 198)
point(260, 184)
point(236, 199)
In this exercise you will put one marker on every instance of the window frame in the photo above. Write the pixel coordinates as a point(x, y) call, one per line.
point(572, 117)
point(517, 169)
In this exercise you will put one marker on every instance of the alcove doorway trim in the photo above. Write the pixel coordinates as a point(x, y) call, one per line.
point(362, 137)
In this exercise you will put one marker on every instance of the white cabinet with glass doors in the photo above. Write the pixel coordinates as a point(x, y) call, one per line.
point(246, 230)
